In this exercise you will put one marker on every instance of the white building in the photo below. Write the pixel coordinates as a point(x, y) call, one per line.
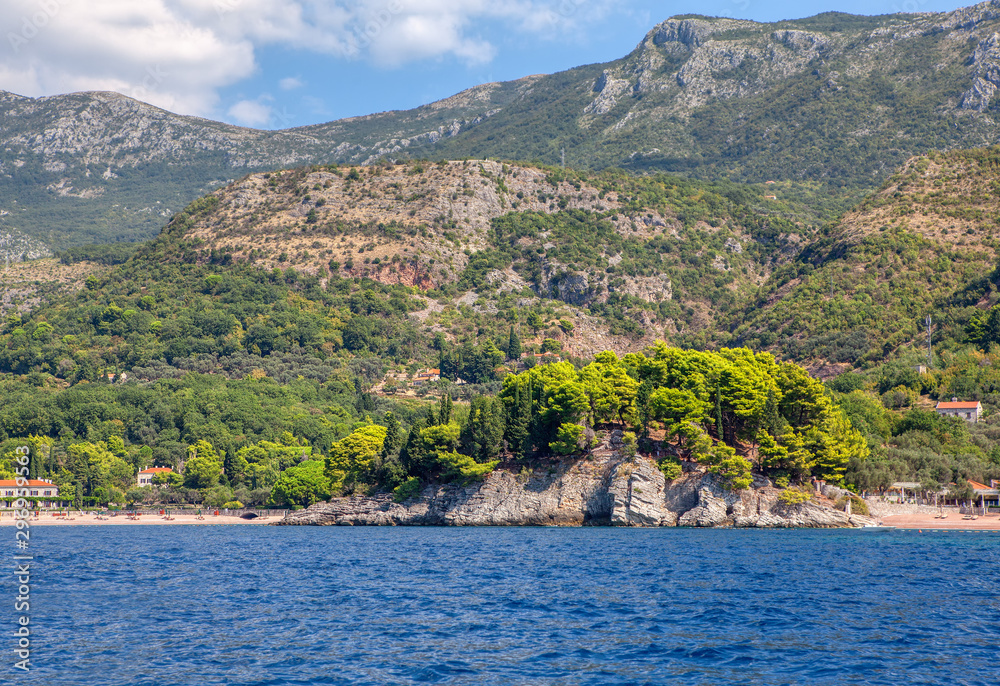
point(36, 488)
point(145, 477)
point(969, 411)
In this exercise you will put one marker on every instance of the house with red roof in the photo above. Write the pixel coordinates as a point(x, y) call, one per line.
point(145, 477)
point(985, 496)
point(36, 488)
point(969, 411)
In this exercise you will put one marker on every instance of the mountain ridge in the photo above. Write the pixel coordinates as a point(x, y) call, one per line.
point(836, 100)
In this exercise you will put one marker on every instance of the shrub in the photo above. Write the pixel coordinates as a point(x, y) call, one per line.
point(567, 439)
point(462, 468)
point(671, 468)
point(232, 505)
point(858, 506)
point(795, 495)
point(406, 490)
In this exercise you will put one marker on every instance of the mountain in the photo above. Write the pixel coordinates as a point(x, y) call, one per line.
point(926, 243)
point(835, 102)
point(406, 260)
point(456, 251)
point(842, 100)
point(102, 167)
point(648, 256)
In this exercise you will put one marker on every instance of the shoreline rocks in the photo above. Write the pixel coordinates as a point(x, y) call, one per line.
point(602, 489)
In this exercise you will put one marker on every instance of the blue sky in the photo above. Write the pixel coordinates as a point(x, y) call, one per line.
point(281, 63)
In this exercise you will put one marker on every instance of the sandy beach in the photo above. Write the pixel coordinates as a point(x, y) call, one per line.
point(922, 520)
point(89, 519)
point(953, 521)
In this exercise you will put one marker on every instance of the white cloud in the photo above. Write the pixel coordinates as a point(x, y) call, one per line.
point(140, 49)
point(417, 37)
point(250, 113)
point(290, 83)
point(177, 54)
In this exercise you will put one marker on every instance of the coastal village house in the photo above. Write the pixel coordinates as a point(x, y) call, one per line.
point(426, 376)
point(986, 496)
point(969, 411)
point(145, 477)
point(46, 492)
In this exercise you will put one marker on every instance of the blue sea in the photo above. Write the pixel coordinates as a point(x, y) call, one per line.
point(192, 606)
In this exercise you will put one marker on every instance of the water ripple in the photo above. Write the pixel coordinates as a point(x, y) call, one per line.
point(269, 606)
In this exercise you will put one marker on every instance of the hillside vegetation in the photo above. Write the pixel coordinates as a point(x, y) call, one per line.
point(267, 315)
point(277, 440)
point(645, 256)
point(924, 244)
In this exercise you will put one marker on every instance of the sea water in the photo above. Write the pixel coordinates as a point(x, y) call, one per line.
point(192, 606)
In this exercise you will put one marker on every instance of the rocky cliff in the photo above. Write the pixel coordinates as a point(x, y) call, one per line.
point(603, 489)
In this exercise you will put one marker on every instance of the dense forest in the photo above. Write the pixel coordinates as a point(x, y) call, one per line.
point(257, 441)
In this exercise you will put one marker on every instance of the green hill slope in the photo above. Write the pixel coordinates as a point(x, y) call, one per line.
point(924, 244)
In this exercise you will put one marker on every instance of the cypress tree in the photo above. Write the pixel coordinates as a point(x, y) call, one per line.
point(445, 409)
point(642, 406)
point(412, 455)
point(34, 463)
point(772, 419)
point(718, 411)
point(518, 419)
point(393, 437)
point(513, 345)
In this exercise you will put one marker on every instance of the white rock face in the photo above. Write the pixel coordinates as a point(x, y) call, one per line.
point(985, 75)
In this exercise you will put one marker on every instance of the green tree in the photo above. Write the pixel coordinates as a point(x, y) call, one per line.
point(393, 437)
point(734, 470)
point(445, 408)
point(304, 484)
point(513, 345)
point(517, 401)
point(203, 466)
point(567, 439)
point(350, 460)
point(611, 390)
point(677, 409)
point(99, 469)
point(412, 455)
point(482, 435)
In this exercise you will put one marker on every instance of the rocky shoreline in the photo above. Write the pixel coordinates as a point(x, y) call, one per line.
point(602, 489)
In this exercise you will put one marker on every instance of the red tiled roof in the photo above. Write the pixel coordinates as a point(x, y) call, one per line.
point(156, 470)
point(976, 486)
point(957, 406)
point(32, 483)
